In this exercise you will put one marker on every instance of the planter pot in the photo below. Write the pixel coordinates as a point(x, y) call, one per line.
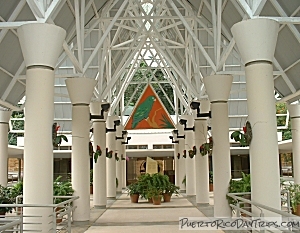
point(297, 210)
point(19, 210)
point(91, 189)
point(167, 197)
point(134, 198)
point(211, 187)
point(58, 220)
point(157, 200)
point(150, 200)
point(2, 214)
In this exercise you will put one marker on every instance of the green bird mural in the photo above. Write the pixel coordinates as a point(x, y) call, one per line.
point(142, 111)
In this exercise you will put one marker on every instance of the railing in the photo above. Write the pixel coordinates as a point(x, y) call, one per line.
point(60, 218)
point(247, 214)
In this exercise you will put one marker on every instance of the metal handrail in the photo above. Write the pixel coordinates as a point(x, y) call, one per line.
point(241, 200)
point(18, 220)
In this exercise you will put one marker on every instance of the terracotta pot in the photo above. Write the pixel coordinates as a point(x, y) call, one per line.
point(156, 200)
point(297, 210)
point(211, 187)
point(58, 220)
point(19, 210)
point(150, 200)
point(134, 198)
point(167, 197)
point(2, 214)
point(91, 189)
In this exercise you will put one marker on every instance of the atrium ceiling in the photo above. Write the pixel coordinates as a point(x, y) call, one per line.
point(187, 40)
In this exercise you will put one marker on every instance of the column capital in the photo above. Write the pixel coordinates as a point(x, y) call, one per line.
point(41, 43)
point(256, 39)
point(80, 90)
point(294, 110)
point(4, 116)
point(218, 87)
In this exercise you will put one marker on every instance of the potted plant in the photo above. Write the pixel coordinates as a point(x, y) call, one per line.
point(133, 192)
point(5, 198)
point(17, 195)
point(169, 191)
point(155, 194)
point(61, 188)
point(294, 190)
point(144, 182)
point(242, 185)
point(192, 152)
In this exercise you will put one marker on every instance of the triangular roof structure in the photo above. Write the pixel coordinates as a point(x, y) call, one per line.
point(149, 113)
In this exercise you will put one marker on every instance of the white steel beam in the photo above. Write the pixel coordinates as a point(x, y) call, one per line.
point(110, 26)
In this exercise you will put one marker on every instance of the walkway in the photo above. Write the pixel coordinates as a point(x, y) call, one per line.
point(122, 216)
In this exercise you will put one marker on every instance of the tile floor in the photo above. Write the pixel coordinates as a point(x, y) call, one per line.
point(122, 216)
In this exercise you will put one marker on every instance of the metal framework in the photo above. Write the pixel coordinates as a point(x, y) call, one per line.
point(185, 39)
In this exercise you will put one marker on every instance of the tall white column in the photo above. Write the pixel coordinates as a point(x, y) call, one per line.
point(176, 161)
point(218, 88)
point(181, 160)
point(294, 111)
point(119, 150)
point(99, 168)
point(4, 119)
point(201, 162)
point(189, 162)
point(256, 40)
point(111, 162)
point(40, 61)
point(80, 92)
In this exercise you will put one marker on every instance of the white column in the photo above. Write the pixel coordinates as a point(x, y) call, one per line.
point(294, 111)
point(176, 161)
point(99, 168)
point(119, 150)
point(189, 162)
point(256, 40)
point(218, 88)
point(4, 119)
point(201, 162)
point(80, 91)
point(181, 160)
point(111, 163)
point(40, 61)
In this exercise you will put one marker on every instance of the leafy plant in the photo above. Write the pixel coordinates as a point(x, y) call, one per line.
point(133, 188)
point(5, 198)
point(178, 156)
point(62, 188)
point(294, 190)
point(171, 189)
point(17, 190)
point(57, 139)
point(244, 137)
point(109, 153)
point(192, 152)
point(184, 180)
point(117, 182)
point(239, 186)
point(211, 180)
point(184, 154)
point(97, 153)
point(116, 157)
point(207, 147)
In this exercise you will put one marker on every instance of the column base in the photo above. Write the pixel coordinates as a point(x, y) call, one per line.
point(100, 206)
point(111, 198)
point(80, 223)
